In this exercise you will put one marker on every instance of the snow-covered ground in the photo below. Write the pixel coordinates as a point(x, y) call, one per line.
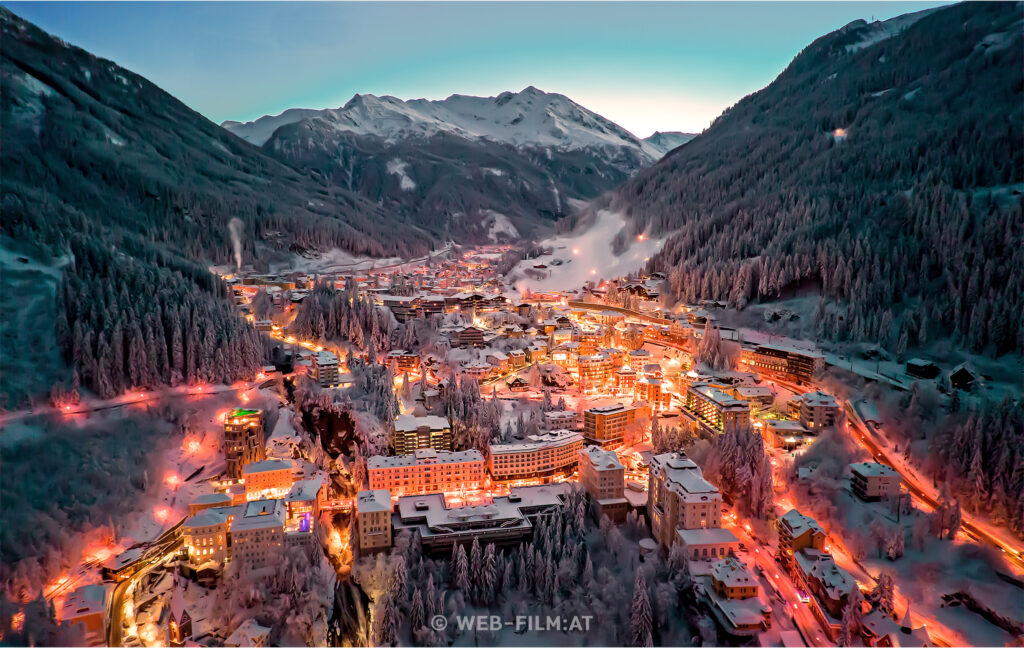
point(337, 260)
point(583, 256)
point(498, 225)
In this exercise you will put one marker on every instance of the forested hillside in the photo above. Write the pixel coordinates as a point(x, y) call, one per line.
point(882, 169)
point(90, 147)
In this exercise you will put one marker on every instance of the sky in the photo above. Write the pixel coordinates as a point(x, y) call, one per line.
point(646, 66)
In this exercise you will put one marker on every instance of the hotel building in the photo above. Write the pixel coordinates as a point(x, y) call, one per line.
point(243, 440)
point(873, 481)
point(785, 363)
point(679, 499)
point(325, 369)
point(268, 479)
point(257, 535)
point(414, 433)
point(541, 456)
point(716, 410)
point(816, 410)
point(603, 477)
point(605, 426)
point(426, 471)
point(373, 519)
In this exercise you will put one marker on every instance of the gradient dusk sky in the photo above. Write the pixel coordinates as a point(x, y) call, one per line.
point(647, 66)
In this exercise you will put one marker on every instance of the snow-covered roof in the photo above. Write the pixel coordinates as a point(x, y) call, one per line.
point(534, 442)
point(819, 399)
point(304, 490)
point(211, 517)
point(601, 459)
point(266, 465)
point(260, 514)
point(85, 600)
point(834, 580)
point(212, 498)
point(249, 633)
point(701, 537)
point(424, 456)
point(731, 572)
point(683, 477)
point(373, 501)
point(873, 469)
point(799, 523)
point(410, 423)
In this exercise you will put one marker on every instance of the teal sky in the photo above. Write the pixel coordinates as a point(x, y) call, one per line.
point(647, 66)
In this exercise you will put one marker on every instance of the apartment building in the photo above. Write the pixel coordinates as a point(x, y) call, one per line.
point(652, 392)
point(400, 361)
point(205, 535)
point(817, 410)
point(86, 607)
point(717, 411)
point(325, 369)
point(243, 440)
point(872, 481)
point(373, 519)
point(562, 420)
point(625, 380)
point(426, 471)
point(540, 456)
point(595, 372)
point(638, 358)
point(268, 479)
point(785, 363)
point(680, 498)
point(605, 426)
point(414, 433)
point(603, 477)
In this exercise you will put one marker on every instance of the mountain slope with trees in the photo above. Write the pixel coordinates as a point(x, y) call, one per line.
point(882, 169)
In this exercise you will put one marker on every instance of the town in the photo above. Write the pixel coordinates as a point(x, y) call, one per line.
point(426, 409)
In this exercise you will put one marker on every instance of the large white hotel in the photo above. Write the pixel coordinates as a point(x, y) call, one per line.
point(540, 456)
point(427, 471)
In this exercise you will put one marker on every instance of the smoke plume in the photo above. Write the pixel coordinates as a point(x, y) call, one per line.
point(235, 229)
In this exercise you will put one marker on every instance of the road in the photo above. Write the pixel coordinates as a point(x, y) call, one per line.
point(775, 576)
point(865, 435)
point(124, 400)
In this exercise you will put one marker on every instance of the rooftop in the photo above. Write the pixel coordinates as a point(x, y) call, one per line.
point(267, 466)
point(411, 423)
point(424, 456)
point(260, 514)
point(873, 469)
point(601, 459)
point(373, 501)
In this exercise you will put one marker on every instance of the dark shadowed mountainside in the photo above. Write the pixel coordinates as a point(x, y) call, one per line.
point(882, 169)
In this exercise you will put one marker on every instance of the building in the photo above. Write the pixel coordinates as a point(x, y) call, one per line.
point(796, 533)
point(304, 501)
point(401, 361)
point(651, 391)
point(179, 621)
point(920, 368)
point(818, 410)
point(86, 607)
point(562, 420)
point(625, 380)
point(373, 519)
point(829, 585)
point(469, 336)
point(784, 363)
point(243, 440)
point(257, 535)
point(638, 358)
point(715, 410)
point(680, 498)
point(606, 426)
point(731, 593)
point(268, 479)
point(782, 433)
point(595, 372)
point(541, 456)
point(707, 544)
point(205, 536)
point(603, 477)
point(427, 471)
point(879, 629)
point(208, 501)
point(414, 433)
point(872, 481)
point(325, 369)
point(507, 520)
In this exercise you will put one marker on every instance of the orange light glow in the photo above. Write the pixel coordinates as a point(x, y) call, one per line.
point(640, 237)
point(192, 446)
point(576, 251)
point(161, 513)
point(172, 480)
point(593, 271)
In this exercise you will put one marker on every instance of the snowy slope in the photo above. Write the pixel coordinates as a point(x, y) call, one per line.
point(665, 142)
point(527, 118)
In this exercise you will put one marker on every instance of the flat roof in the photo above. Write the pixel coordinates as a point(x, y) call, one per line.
point(267, 465)
point(698, 537)
point(259, 515)
point(424, 457)
point(373, 501)
point(873, 469)
point(411, 423)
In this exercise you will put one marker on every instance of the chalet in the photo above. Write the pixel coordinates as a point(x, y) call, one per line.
point(469, 336)
point(962, 378)
point(518, 384)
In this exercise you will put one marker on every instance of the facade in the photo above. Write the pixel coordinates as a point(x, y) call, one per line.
point(818, 410)
point(414, 433)
point(373, 519)
point(562, 420)
point(638, 358)
point(603, 477)
point(785, 363)
point(401, 361)
point(782, 433)
point(595, 372)
point(257, 535)
point(304, 501)
point(717, 410)
point(872, 481)
point(268, 479)
point(651, 392)
point(469, 336)
point(541, 456)
point(205, 536)
point(325, 369)
point(680, 498)
point(707, 544)
point(243, 440)
point(427, 471)
point(605, 426)
point(829, 585)
point(625, 380)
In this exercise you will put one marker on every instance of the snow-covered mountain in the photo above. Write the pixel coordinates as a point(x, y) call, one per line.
point(665, 142)
point(527, 118)
point(457, 166)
